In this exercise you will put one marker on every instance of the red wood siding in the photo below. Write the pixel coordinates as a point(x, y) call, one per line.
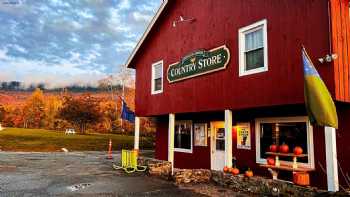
point(340, 28)
point(290, 24)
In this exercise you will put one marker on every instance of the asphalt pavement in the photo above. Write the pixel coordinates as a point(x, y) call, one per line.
point(76, 174)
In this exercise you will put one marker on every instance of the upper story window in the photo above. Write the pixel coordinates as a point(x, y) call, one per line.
point(253, 48)
point(157, 77)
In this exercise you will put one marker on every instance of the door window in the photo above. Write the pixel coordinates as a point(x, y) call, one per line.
point(220, 139)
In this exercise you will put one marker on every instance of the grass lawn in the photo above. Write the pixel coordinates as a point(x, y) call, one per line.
point(40, 140)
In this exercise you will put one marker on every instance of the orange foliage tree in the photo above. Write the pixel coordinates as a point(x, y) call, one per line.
point(52, 107)
point(34, 110)
point(81, 111)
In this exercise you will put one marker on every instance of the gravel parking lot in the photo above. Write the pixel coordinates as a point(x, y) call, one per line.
point(75, 174)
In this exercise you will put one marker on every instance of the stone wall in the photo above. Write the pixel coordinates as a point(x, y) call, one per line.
point(254, 185)
point(268, 187)
point(156, 167)
point(259, 185)
point(192, 176)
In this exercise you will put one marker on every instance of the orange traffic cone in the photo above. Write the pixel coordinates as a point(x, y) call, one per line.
point(110, 149)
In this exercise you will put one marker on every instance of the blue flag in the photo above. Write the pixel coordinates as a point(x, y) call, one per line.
point(127, 114)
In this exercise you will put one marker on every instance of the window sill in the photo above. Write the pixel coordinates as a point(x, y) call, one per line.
point(183, 150)
point(253, 71)
point(157, 92)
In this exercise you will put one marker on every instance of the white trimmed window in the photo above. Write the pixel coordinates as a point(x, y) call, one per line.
point(293, 131)
point(157, 77)
point(183, 136)
point(253, 57)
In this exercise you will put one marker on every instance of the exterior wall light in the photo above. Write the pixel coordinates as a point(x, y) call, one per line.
point(182, 19)
point(328, 58)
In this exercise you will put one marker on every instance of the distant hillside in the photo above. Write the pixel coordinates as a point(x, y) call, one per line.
point(19, 86)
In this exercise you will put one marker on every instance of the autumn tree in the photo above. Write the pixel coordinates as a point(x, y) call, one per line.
point(110, 115)
point(52, 106)
point(34, 110)
point(2, 113)
point(80, 111)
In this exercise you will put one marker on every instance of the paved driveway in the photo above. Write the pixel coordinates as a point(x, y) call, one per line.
point(75, 174)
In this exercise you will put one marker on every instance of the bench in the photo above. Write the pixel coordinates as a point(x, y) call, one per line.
point(295, 169)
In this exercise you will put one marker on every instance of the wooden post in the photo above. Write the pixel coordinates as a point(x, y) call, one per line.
point(171, 136)
point(228, 138)
point(137, 134)
point(331, 159)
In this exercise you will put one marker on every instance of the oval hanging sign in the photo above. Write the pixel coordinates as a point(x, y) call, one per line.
point(199, 63)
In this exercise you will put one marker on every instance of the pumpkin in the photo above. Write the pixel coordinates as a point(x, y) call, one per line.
point(273, 148)
point(301, 178)
point(226, 169)
point(298, 150)
point(235, 171)
point(248, 173)
point(270, 161)
point(284, 148)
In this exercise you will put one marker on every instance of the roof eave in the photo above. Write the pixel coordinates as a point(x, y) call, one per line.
point(145, 34)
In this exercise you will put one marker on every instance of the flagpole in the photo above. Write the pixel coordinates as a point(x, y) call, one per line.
point(121, 119)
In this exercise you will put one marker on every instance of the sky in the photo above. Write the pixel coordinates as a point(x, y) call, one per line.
point(64, 42)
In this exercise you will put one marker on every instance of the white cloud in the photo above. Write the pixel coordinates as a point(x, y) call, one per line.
point(124, 46)
point(124, 4)
point(85, 14)
point(139, 17)
point(115, 22)
point(3, 54)
point(55, 75)
point(18, 48)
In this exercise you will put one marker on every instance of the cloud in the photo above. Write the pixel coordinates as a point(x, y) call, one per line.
point(3, 54)
point(125, 46)
point(64, 42)
point(124, 4)
point(18, 48)
point(139, 17)
point(63, 73)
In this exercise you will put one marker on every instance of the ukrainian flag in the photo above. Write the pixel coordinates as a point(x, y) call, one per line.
point(319, 102)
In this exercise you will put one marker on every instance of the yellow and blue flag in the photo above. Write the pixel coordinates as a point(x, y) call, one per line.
point(319, 103)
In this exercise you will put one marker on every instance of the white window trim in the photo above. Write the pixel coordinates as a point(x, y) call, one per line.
point(183, 150)
point(152, 78)
point(241, 48)
point(310, 145)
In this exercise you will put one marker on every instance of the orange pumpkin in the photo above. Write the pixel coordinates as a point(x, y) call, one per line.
point(226, 169)
point(298, 150)
point(284, 148)
point(273, 148)
point(248, 173)
point(301, 178)
point(235, 171)
point(270, 161)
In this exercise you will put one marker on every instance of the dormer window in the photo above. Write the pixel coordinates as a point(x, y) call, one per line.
point(157, 77)
point(253, 48)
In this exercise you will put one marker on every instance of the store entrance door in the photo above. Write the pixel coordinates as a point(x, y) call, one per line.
point(217, 145)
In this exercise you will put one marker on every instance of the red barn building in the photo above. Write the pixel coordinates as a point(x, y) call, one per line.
point(224, 80)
